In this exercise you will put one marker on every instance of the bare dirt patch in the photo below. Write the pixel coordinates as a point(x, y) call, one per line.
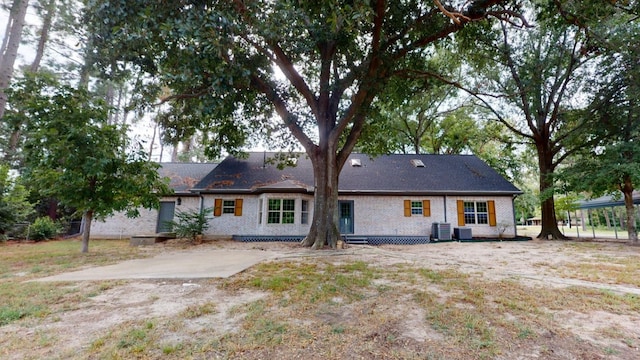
point(441, 301)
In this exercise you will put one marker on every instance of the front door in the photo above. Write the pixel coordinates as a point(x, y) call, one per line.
point(165, 214)
point(346, 216)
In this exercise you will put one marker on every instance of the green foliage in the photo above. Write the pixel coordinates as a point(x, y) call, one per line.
point(526, 204)
point(14, 204)
point(74, 155)
point(190, 224)
point(43, 228)
point(318, 66)
point(615, 163)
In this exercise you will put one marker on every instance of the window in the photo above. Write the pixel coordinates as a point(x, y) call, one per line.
point(476, 212)
point(281, 211)
point(228, 206)
point(260, 203)
point(304, 214)
point(221, 206)
point(416, 208)
point(420, 207)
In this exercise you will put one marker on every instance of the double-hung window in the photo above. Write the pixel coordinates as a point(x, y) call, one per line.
point(416, 208)
point(281, 211)
point(476, 212)
point(228, 206)
point(304, 212)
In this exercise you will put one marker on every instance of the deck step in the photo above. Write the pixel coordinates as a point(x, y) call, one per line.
point(356, 240)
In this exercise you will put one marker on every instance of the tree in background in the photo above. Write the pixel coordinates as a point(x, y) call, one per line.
point(613, 167)
point(317, 65)
point(14, 203)
point(73, 155)
point(530, 77)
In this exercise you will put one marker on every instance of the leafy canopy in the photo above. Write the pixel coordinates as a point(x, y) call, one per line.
point(72, 155)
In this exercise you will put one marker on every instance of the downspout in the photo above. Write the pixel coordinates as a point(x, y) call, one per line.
point(445, 208)
point(515, 220)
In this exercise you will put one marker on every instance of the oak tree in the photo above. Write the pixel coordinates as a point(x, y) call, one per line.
point(317, 65)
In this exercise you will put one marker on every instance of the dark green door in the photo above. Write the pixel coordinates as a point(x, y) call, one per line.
point(346, 216)
point(165, 214)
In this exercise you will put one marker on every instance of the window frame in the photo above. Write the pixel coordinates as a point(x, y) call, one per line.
point(473, 214)
point(304, 211)
point(228, 206)
point(284, 213)
point(417, 207)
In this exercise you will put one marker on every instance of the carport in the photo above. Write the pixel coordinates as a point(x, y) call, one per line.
point(608, 205)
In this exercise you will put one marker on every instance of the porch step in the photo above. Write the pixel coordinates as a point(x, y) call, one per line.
point(356, 240)
point(150, 239)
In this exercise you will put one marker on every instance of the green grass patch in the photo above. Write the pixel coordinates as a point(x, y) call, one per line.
point(26, 261)
point(305, 283)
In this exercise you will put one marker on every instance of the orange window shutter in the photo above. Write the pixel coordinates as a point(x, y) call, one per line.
point(407, 208)
point(426, 208)
point(492, 212)
point(460, 213)
point(238, 209)
point(217, 207)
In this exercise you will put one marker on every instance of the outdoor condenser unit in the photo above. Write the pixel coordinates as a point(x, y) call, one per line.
point(441, 231)
point(462, 233)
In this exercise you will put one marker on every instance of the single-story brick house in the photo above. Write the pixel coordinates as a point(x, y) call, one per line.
point(392, 198)
point(386, 199)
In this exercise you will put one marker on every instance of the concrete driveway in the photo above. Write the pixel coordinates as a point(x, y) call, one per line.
point(201, 263)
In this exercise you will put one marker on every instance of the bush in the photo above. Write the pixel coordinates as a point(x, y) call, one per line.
point(43, 228)
point(190, 224)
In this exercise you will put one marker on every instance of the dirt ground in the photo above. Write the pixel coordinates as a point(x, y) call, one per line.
point(531, 263)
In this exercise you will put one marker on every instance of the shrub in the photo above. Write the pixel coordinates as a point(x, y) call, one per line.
point(43, 228)
point(190, 224)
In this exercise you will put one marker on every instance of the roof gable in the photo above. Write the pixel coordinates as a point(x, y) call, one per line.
point(387, 174)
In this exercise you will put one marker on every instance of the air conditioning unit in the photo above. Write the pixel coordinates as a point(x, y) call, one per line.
point(441, 231)
point(462, 233)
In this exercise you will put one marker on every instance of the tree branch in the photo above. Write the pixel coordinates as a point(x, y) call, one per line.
point(287, 117)
point(477, 95)
point(454, 16)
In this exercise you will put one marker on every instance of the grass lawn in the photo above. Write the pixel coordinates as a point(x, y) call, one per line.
point(319, 307)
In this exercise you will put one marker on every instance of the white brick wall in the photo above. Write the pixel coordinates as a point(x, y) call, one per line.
point(119, 226)
point(373, 215)
point(249, 224)
point(504, 216)
point(384, 215)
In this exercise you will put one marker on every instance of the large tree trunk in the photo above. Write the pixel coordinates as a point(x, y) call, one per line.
point(549, 221)
point(627, 191)
point(87, 218)
point(324, 227)
point(9, 51)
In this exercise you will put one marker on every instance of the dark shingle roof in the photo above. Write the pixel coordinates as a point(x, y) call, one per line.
point(184, 176)
point(389, 174)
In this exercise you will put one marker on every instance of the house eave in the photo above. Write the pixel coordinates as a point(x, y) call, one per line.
point(360, 192)
point(427, 193)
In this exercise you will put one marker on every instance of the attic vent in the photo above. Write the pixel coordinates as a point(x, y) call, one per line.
point(356, 163)
point(417, 163)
